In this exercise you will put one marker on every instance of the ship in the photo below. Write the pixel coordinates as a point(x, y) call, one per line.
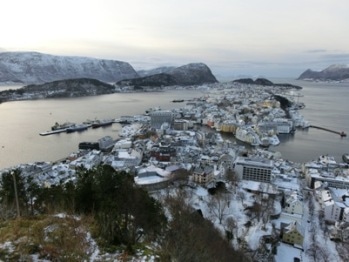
point(65, 125)
point(75, 128)
point(104, 122)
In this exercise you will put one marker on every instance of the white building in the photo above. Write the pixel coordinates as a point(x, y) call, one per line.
point(152, 177)
point(123, 158)
point(284, 126)
point(255, 169)
point(294, 205)
point(157, 118)
point(336, 211)
point(88, 161)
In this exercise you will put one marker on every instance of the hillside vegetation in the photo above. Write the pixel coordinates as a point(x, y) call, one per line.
point(102, 215)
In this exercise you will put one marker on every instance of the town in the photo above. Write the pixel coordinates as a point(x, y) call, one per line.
point(272, 208)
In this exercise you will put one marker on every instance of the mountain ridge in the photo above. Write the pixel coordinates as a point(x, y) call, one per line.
point(37, 68)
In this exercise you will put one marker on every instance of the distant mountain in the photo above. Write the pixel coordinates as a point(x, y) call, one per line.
point(35, 68)
point(155, 71)
point(264, 82)
point(333, 72)
point(191, 74)
point(61, 88)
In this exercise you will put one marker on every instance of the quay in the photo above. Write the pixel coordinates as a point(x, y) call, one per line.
point(341, 133)
point(53, 132)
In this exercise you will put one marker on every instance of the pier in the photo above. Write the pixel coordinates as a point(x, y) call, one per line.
point(341, 133)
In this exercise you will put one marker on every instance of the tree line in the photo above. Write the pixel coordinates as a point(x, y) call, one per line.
point(122, 214)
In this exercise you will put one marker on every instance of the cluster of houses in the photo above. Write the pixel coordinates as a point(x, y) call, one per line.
point(330, 182)
point(163, 146)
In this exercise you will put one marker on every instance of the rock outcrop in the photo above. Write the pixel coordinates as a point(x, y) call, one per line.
point(61, 88)
point(191, 74)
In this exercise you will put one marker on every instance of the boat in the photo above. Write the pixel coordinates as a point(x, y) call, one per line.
point(345, 158)
point(65, 125)
point(57, 128)
point(178, 101)
point(80, 127)
point(104, 122)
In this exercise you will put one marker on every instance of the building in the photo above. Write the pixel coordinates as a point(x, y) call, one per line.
point(158, 118)
point(335, 205)
point(254, 169)
point(152, 177)
point(181, 124)
point(293, 204)
point(121, 158)
point(203, 175)
point(284, 126)
point(88, 161)
point(293, 234)
point(106, 143)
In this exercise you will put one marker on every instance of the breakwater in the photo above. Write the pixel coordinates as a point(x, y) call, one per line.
point(341, 133)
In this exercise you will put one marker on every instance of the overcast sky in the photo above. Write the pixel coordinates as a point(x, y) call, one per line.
point(271, 38)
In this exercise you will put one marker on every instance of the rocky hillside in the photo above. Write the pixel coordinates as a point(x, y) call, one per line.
point(62, 88)
point(155, 71)
point(35, 68)
point(333, 73)
point(191, 74)
point(264, 82)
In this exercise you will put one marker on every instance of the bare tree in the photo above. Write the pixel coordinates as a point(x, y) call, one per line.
point(241, 196)
point(232, 178)
point(231, 227)
point(218, 205)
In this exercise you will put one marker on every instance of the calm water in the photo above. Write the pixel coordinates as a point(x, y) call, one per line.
point(326, 106)
point(21, 122)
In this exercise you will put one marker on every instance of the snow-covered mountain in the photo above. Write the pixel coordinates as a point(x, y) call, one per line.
point(33, 67)
point(334, 72)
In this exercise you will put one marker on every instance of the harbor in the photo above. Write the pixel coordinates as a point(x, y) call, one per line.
point(72, 127)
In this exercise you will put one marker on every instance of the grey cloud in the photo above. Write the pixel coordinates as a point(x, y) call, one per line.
point(316, 51)
point(337, 57)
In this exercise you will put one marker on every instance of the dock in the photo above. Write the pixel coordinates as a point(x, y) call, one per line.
point(341, 133)
point(53, 132)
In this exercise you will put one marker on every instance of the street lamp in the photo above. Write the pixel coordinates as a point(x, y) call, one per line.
point(16, 195)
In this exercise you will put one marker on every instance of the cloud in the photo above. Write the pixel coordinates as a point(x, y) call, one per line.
point(316, 51)
point(336, 57)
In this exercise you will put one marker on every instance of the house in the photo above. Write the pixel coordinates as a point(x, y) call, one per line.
point(336, 211)
point(203, 175)
point(293, 204)
point(124, 158)
point(336, 208)
point(293, 234)
point(340, 232)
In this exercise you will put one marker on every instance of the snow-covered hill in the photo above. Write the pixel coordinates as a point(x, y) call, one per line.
point(334, 72)
point(34, 68)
